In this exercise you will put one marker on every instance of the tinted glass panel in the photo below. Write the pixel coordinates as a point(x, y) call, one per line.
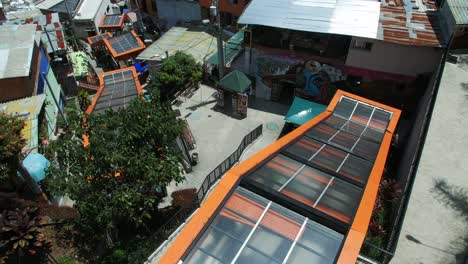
point(380, 120)
point(345, 108)
point(305, 148)
point(276, 172)
point(356, 169)
point(231, 237)
point(340, 200)
point(362, 113)
point(307, 186)
point(330, 158)
point(316, 245)
point(365, 149)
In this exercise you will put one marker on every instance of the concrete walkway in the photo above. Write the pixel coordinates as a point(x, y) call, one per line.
point(217, 135)
point(435, 229)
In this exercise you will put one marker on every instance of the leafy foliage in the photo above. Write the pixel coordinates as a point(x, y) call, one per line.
point(20, 230)
point(176, 71)
point(113, 181)
point(11, 144)
point(389, 190)
point(83, 100)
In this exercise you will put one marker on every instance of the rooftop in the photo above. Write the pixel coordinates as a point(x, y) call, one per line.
point(22, 13)
point(27, 109)
point(410, 23)
point(112, 21)
point(49, 22)
point(87, 9)
point(125, 44)
point(62, 6)
point(235, 81)
point(346, 17)
point(16, 50)
point(98, 38)
point(46, 4)
point(194, 41)
point(308, 196)
point(459, 10)
point(117, 89)
point(407, 22)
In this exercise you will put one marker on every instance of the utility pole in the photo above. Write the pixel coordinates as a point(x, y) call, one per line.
point(215, 12)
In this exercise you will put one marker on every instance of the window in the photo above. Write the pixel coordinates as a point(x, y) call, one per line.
point(233, 2)
point(361, 44)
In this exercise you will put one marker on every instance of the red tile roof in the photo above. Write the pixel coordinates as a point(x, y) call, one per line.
point(410, 25)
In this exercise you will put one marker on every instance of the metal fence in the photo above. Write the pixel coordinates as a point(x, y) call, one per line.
point(170, 226)
point(219, 171)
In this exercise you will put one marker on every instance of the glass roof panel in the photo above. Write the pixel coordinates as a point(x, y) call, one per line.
point(277, 235)
point(340, 200)
point(345, 108)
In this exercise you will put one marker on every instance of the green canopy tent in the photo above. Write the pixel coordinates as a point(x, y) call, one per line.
point(302, 111)
point(236, 81)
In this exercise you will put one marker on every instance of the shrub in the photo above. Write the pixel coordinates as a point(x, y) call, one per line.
point(65, 260)
point(20, 232)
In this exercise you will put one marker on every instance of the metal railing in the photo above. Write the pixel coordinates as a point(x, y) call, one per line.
point(173, 224)
point(227, 164)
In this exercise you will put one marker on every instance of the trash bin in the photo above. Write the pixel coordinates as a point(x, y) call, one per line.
point(194, 158)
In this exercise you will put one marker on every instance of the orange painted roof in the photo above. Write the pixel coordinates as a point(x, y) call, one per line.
point(119, 45)
point(98, 38)
point(112, 21)
point(103, 85)
point(381, 118)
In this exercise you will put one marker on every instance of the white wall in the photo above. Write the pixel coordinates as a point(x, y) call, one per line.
point(173, 11)
point(395, 58)
point(102, 11)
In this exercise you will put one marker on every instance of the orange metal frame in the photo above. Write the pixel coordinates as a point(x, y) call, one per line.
point(123, 17)
point(230, 180)
point(105, 33)
point(119, 55)
point(91, 107)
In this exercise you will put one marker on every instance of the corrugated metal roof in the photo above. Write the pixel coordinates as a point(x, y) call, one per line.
point(46, 4)
point(27, 109)
point(459, 10)
point(23, 13)
point(410, 23)
point(346, 17)
point(61, 6)
point(407, 22)
point(49, 22)
point(193, 41)
point(16, 49)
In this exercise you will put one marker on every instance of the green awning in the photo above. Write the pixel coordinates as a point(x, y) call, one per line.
point(232, 48)
point(303, 110)
point(235, 81)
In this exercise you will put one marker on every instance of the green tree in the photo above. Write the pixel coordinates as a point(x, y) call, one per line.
point(113, 181)
point(11, 144)
point(176, 71)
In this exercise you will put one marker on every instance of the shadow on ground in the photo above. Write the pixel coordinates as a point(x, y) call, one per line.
point(456, 198)
point(268, 106)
